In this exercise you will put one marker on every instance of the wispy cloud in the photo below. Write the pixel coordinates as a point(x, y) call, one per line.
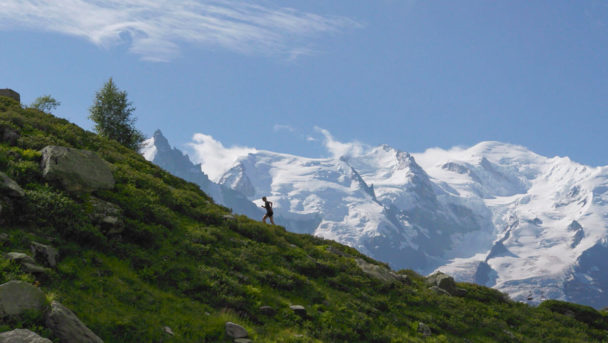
point(282, 127)
point(340, 149)
point(214, 158)
point(155, 29)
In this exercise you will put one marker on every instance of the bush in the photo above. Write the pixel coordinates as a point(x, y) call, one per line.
point(581, 313)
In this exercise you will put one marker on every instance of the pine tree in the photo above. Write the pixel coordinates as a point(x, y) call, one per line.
point(112, 114)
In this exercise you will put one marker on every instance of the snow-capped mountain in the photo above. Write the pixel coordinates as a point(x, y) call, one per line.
point(550, 219)
point(495, 214)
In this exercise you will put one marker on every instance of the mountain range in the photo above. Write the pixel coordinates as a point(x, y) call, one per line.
point(495, 214)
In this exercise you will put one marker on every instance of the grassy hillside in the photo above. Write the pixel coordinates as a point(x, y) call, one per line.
point(180, 262)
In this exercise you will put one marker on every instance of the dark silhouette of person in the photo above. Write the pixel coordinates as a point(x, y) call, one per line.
point(268, 206)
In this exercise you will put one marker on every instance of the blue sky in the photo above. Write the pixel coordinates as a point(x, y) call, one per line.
point(276, 75)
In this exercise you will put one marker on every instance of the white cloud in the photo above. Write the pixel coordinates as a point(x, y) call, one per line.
point(339, 149)
point(430, 157)
point(213, 156)
point(282, 127)
point(154, 29)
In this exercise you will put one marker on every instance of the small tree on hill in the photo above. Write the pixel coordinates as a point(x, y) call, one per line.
point(45, 103)
point(112, 114)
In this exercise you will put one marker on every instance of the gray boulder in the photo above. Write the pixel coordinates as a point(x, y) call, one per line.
point(380, 272)
point(34, 268)
point(67, 327)
point(19, 257)
point(22, 336)
point(443, 282)
point(168, 331)
point(439, 291)
point(17, 297)
point(27, 262)
point(107, 216)
point(44, 254)
point(424, 329)
point(76, 170)
point(299, 310)
point(235, 330)
point(9, 187)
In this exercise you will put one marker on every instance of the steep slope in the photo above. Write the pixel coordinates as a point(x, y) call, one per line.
point(181, 266)
point(495, 214)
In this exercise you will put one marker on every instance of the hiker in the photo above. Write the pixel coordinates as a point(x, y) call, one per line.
point(268, 206)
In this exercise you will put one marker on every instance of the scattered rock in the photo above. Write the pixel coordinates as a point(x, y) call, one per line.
point(380, 272)
point(17, 297)
point(442, 281)
point(76, 170)
point(106, 215)
point(9, 187)
point(22, 336)
point(424, 329)
point(438, 290)
point(299, 310)
point(35, 269)
point(267, 310)
point(44, 254)
point(67, 327)
point(168, 331)
point(235, 330)
point(19, 257)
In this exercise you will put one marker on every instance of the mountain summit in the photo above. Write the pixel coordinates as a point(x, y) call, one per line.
point(496, 214)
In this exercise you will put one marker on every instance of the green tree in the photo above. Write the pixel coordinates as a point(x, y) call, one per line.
point(112, 114)
point(45, 103)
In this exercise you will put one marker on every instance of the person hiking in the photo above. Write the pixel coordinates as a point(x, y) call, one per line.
point(268, 206)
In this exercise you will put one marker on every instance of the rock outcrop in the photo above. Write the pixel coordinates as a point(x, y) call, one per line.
point(76, 170)
point(27, 262)
point(17, 297)
point(299, 310)
point(442, 283)
point(9, 187)
point(44, 254)
point(22, 336)
point(107, 216)
point(235, 331)
point(380, 272)
point(10, 93)
point(67, 327)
